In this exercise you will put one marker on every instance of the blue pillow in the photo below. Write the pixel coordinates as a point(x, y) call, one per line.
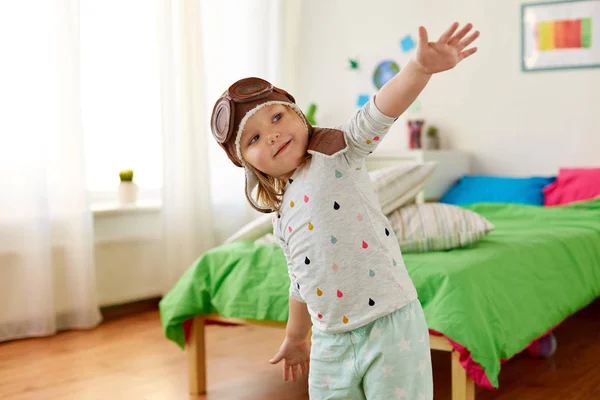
point(472, 189)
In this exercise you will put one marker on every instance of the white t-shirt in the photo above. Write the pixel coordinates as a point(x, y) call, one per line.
point(343, 258)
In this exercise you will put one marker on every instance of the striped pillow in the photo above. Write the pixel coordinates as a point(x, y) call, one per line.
point(435, 226)
point(398, 185)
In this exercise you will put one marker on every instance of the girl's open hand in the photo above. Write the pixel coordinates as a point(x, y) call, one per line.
point(295, 355)
point(448, 51)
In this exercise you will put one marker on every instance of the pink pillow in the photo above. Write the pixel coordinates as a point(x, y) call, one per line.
point(573, 184)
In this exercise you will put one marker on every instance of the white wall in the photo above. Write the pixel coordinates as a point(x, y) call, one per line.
point(512, 122)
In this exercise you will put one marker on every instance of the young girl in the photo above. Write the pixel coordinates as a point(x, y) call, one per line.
point(369, 335)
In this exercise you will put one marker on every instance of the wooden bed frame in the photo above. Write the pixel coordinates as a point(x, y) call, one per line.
point(463, 387)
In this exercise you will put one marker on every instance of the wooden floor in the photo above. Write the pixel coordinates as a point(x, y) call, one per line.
point(129, 358)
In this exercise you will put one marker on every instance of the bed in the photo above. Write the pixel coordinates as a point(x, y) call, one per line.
point(484, 303)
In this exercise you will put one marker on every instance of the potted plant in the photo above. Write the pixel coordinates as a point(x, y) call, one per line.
point(433, 138)
point(310, 114)
point(128, 190)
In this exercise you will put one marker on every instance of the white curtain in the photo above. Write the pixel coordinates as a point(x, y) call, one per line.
point(205, 46)
point(47, 275)
point(187, 212)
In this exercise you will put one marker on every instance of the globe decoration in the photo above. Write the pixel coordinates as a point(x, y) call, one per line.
point(384, 71)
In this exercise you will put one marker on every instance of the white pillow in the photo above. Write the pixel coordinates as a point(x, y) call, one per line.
point(399, 185)
point(267, 238)
point(437, 226)
point(255, 229)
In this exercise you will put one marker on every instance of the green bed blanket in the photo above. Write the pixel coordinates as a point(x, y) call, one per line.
point(537, 267)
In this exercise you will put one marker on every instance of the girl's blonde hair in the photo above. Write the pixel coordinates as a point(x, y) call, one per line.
point(270, 190)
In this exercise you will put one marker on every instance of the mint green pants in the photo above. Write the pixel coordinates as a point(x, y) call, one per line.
point(388, 358)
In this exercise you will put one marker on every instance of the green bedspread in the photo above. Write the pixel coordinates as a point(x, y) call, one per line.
point(537, 267)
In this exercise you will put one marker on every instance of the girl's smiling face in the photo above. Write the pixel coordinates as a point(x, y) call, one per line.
point(274, 141)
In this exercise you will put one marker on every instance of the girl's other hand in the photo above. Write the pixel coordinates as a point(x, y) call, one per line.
point(296, 358)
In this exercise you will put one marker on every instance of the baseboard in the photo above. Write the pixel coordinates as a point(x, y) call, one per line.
point(118, 311)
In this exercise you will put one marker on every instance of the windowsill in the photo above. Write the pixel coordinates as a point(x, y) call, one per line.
point(113, 208)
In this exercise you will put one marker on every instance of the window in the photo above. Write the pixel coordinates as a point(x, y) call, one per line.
point(120, 92)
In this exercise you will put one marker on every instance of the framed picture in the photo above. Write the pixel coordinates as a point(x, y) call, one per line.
point(560, 35)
